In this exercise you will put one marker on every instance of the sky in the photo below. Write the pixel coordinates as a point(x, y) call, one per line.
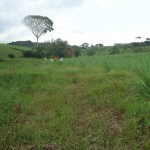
point(78, 21)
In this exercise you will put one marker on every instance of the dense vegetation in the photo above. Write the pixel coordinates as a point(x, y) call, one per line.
point(85, 103)
point(61, 48)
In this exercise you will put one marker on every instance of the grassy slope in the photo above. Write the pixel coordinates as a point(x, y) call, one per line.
point(83, 103)
point(11, 49)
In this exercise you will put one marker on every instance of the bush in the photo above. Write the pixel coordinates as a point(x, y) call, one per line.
point(90, 52)
point(11, 56)
point(115, 50)
point(2, 60)
point(77, 53)
point(138, 50)
point(28, 54)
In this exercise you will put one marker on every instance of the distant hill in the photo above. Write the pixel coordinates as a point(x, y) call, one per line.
point(17, 51)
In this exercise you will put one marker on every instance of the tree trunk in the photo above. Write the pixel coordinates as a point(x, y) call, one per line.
point(37, 44)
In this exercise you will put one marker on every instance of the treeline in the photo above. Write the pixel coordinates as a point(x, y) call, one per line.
point(61, 48)
point(49, 49)
point(23, 43)
point(134, 47)
point(133, 44)
point(58, 47)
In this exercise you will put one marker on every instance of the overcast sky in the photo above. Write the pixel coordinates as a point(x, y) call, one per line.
point(78, 21)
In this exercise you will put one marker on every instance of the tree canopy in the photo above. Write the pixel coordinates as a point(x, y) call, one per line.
point(38, 25)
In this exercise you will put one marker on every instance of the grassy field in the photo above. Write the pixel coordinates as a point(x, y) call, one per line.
point(85, 103)
point(6, 49)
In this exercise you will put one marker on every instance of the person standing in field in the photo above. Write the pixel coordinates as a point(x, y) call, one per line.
point(61, 59)
point(55, 58)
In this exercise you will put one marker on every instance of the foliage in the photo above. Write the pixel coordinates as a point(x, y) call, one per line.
point(138, 50)
point(61, 48)
point(32, 54)
point(77, 50)
point(90, 52)
point(11, 56)
point(27, 43)
point(57, 47)
point(28, 54)
point(115, 50)
point(85, 45)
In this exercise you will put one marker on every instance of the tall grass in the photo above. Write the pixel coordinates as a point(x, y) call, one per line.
point(84, 103)
point(144, 79)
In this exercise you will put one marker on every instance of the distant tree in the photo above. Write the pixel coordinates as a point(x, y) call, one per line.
point(115, 50)
point(77, 50)
point(38, 25)
point(40, 54)
point(57, 47)
point(135, 44)
point(147, 39)
point(99, 45)
point(138, 37)
point(137, 50)
point(96, 46)
point(147, 42)
point(85, 45)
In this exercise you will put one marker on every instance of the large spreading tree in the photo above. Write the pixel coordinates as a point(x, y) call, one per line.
point(38, 25)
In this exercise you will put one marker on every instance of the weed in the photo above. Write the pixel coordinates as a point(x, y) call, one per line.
point(107, 65)
point(144, 80)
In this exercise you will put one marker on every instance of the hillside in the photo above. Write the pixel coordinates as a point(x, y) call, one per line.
point(6, 49)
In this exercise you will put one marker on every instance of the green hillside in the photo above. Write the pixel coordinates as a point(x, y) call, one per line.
point(6, 49)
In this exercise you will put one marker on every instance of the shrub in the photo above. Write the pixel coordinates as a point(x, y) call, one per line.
point(90, 52)
point(28, 54)
point(138, 50)
point(77, 53)
point(115, 50)
point(11, 55)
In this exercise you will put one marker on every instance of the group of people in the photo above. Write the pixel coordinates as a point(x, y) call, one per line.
point(53, 59)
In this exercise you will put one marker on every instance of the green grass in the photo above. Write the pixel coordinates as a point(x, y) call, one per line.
point(6, 49)
point(84, 103)
point(22, 48)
